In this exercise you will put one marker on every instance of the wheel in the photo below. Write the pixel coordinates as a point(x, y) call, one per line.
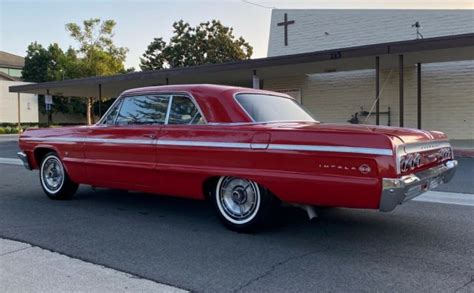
point(54, 179)
point(242, 205)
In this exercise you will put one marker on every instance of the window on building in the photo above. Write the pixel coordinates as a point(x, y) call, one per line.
point(14, 72)
point(145, 110)
point(183, 111)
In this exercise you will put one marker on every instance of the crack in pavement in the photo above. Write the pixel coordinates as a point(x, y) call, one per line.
point(16, 250)
point(272, 269)
point(465, 285)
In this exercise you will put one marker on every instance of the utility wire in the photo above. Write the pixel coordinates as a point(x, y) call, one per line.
point(259, 5)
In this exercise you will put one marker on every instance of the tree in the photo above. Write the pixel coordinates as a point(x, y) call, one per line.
point(207, 43)
point(97, 51)
point(95, 55)
point(99, 55)
point(42, 65)
point(36, 63)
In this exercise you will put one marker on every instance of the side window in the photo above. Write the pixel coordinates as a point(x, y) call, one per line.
point(183, 111)
point(143, 110)
point(110, 119)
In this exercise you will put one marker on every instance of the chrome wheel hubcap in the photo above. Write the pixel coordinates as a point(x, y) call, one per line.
point(52, 174)
point(238, 199)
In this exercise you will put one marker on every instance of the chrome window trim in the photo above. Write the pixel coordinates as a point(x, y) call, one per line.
point(268, 94)
point(102, 119)
point(192, 101)
point(144, 93)
point(168, 110)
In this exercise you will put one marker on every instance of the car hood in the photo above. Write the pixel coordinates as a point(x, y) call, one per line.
point(406, 135)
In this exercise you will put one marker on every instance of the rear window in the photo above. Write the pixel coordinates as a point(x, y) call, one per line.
point(265, 108)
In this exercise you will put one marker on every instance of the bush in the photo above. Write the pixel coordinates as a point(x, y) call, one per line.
point(8, 130)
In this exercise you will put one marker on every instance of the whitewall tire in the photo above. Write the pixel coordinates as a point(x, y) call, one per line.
point(241, 204)
point(54, 178)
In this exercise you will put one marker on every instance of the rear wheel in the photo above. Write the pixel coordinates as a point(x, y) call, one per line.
point(242, 205)
point(54, 179)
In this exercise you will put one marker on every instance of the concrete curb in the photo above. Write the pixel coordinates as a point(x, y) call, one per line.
point(26, 268)
point(463, 153)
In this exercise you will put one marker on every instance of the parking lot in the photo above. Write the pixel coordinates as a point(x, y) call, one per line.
point(420, 246)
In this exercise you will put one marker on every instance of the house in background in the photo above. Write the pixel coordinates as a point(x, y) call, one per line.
point(10, 75)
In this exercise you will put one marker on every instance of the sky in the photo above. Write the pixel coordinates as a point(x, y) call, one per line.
point(138, 22)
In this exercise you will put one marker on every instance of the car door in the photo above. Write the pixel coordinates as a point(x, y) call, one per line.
point(120, 151)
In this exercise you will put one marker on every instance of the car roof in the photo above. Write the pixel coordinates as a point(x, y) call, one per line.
point(216, 102)
point(210, 88)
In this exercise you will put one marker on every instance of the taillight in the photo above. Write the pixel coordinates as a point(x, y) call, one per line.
point(410, 162)
point(445, 153)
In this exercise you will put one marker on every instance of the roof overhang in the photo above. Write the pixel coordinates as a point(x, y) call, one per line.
point(432, 50)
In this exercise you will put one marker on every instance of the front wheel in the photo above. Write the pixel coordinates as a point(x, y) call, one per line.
point(242, 205)
point(54, 179)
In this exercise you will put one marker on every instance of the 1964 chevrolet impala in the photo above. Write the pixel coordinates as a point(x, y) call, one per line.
point(244, 149)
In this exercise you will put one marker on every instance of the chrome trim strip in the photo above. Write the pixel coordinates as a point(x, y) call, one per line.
point(259, 123)
point(212, 144)
point(285, 147)
point(335, 149)
point(57, 139)
point(216, 144)
point(426, 146)
point(92, 140)
point(119, 140)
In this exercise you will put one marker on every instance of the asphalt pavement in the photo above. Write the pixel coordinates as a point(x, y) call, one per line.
point(420, 247)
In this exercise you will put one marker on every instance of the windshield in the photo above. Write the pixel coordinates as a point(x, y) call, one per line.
point(265, 108)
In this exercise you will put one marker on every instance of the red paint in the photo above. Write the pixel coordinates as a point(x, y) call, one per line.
point(306, 177)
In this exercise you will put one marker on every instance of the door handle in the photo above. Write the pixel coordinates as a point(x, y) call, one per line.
point(152, 136)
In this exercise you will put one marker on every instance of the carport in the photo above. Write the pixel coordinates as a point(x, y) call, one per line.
point(254, 72)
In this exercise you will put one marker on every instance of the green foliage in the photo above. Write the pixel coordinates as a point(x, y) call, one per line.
point(99, 55)
point(95, 55)
point(207, 43)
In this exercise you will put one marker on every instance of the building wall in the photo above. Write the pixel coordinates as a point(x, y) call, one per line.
point(323, 29)
point(447, 96)
point(9, 104)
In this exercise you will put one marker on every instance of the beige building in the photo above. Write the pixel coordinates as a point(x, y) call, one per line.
point(447, 88)
point(10, 75)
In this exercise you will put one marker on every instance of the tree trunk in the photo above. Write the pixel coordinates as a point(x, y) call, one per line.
point(89, 111)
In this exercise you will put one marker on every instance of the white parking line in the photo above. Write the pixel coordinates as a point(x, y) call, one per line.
point(10, 161)
point(464, 199)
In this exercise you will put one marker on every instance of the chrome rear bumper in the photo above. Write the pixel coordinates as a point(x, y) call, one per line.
point(396, 191)
point(24, 158)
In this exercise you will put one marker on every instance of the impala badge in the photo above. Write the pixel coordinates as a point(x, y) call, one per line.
point(364, 169)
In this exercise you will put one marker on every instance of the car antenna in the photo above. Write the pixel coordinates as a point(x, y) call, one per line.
point(378, 97)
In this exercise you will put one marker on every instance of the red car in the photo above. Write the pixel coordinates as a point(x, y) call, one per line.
point(246, 150)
